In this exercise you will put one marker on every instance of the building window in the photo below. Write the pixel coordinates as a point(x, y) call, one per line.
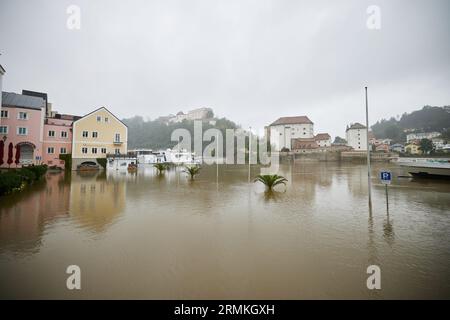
point(117, 151)
point(117, 137)
point(94, 150)
point(21, 131)
point(106, 119)
point(4, 114)
point(94, 134)
point(51, 133)
point(62, 150)
point(50, 150)
point(99, 118)
point(3, 129)
point(85, 134)
point(84, 150)
point(63, 134)
point(103, 150)
point(22, 116)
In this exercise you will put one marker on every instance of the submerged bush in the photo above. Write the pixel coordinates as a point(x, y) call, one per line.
point(67, 161)
point(10, 181)
point(102, 162)
point(27, 175)
point(39, 171)
point(15, 179)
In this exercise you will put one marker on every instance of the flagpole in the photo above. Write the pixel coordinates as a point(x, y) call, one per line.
point(249, 152)
point(217, 158)
point(368, 153)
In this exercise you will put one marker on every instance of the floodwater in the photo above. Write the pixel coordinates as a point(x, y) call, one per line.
point(146, 236)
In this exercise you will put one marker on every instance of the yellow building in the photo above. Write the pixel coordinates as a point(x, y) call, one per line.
point(413, 149)
point(97, 134)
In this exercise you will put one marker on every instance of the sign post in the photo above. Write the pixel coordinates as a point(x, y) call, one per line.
point(386, 178)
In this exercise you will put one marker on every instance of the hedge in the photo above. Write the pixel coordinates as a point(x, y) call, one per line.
point(102, 162)
point(67, 161)
point(16, 179)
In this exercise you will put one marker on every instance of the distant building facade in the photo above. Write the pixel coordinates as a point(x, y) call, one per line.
point(283, 130)
point(422, 135)
point(356, 136)
point(196, 114)
point(397, 147)
point(413, 148)
point(57, 138)
point(22, 119)
point(97, 134)
point(323, 140)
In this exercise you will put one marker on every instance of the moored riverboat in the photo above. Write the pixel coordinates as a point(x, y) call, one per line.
point(426, 167)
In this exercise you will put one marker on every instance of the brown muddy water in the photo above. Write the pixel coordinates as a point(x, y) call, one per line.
point(163, 237)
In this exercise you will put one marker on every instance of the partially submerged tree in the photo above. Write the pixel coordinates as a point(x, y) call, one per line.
point(192, 171)
point(161, 167)
point(271, 180)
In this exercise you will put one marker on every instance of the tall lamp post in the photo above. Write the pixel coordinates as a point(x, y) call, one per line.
point(368, 153)
point(249, 152)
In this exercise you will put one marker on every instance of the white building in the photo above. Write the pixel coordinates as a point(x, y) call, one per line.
point(285, 129)
point(422, 135)
point(438, 143)
point(323, 140)
point(196, 114)
point(356, 136)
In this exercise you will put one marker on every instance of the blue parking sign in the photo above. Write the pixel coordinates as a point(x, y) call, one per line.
point(386, 177)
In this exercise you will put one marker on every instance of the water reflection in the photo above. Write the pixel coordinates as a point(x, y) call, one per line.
point(165, 236)
point(97, 200)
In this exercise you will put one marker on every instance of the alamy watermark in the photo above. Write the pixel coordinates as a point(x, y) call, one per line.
point(237, 146)
point(73, 282)
point(74, 19)
point(374, 280)
point(374, 20)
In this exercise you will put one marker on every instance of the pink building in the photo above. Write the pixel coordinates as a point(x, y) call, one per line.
point(57, 139)
point(21, 126)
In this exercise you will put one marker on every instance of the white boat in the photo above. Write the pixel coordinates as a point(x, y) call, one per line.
point(120, 163)
point(147, 156)
point(426, 167)
point(180, 156)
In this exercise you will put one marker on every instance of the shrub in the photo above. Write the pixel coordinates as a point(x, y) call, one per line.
point(10, 181)
point(271, 180)
point(67, 161)
point(27, 175)
point(39, 171)
point(102, 162)
point(15, 179)
point(161, 167)
point(192, 171)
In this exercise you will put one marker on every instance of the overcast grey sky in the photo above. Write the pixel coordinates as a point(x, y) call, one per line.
point(250, 60)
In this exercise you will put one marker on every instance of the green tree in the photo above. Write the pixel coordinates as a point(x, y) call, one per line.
point(339, 140)
point(426, 146)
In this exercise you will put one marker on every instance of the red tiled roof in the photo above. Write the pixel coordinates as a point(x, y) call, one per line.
point(292, 120)
point(304, 143)
point(322, 136)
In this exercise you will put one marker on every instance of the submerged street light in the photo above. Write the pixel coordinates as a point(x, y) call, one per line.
point(368, 153)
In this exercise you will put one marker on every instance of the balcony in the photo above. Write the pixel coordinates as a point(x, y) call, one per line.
point(117, 143)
